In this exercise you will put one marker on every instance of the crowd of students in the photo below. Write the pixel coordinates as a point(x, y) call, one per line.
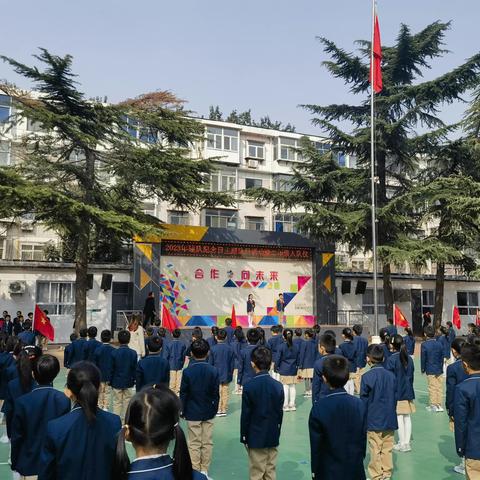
point(79, 434)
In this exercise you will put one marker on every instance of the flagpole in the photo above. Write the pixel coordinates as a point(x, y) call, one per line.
point(372, 174)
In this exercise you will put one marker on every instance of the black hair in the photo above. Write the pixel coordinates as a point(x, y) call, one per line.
point(253, 335)
point(222, 334)
point(409, 331)
point(262, 357)
point(46, 369)
point(106, 336)
point(330, 332)
point(298, 332)
point(152, 420)
point(214, 330)
point(444, 330)
point(73, 337)
point(83, 332)
point(273, 328)
point(176, 333)
point(123, 337)
point(457, 344)
point(154, 344)
point(11, 343)
point(358, 329)
point(197, 333)
point(347, 333)
point(399, 346)
point(449, 324)
point(336, 371)
point(162, 332)
point(375, 353)
point(288, 336)
point(83, 381)
point(228, 322)
point(384, 336)
point(26, 359)
point(328, 342)
point(316, 328)
point(200, 348)
point(157, 322)
point(390, 321)
point(149, 331)
point(261, 338)
point(239, 335)
point(471, 354)
point(429, 331)
point(309, 333)
point(92, 332)
point(27, 325)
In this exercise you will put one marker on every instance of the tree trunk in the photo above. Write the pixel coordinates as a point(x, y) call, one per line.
point(439, 290)
point(387, 289)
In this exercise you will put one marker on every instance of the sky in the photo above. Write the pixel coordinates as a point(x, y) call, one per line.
point(251, 54)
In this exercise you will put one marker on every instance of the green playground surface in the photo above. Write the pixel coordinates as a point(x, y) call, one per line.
point(432, 457)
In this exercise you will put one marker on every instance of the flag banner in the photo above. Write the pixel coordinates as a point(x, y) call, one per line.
point(399, 318)
point(168, 321)
point(456, 320)
point(41, 323)
point(234, 317)
point(477, 318)
point(376, 68)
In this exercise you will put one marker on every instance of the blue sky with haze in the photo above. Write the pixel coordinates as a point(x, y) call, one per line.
point(258, 54)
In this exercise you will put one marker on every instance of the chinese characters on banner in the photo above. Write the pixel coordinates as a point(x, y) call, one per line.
point(214, 274)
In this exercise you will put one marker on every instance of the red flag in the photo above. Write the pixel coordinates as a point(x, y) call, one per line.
point(399, 318)
point(456, 320)
point(41, 323)
point(167, 319)
point(477, 318)
point(376, 74)
point(234, 317)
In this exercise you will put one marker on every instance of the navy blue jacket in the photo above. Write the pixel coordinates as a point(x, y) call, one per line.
point(349, 351)
point(451, 335)
point(377, 390)
point(156, 468)
point(308, 354)
point(14, 392)
point(222, 358)
point(361, 345)
point(77, 450)
point(237, 350)
point(299, 342)
point(338, 449)
point(287, 360)
point(151, 370)
point(6, 360)
point(78, 347)
point(445, 342)
point(245, 370)
point(211, 341)
point(124, 366)
point(455, 375)
point(230, 331)
point(273, 344)
point(29, 425)
point(175, 354)
point(199, 391)
point(319, 387)
point(410, 344)
point(392, 330)
point(387, 353)
point(404, 377)
point(27, 337)
point(467, 417)
point(432, 355)
point(262, 412)
point(67, 355)
point(90, 349)
point(103, 359)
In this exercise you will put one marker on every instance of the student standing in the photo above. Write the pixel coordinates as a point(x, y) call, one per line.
point(68, 352)
point(199, 393)
point(391, 328)
point(385, 344)
point(152, 422)
point(432, 358)
point(326, 347)
point(281, 309)
point(377, 390)
point(103, 359)
point(92, 344)
point(409, 340)
point(361, 345)
point(401, 365)
point(137, 337)
point(250, 310)
point(81, 444)
point(444, 339)
point(27, 337)
point(245, 369)
point(307, 359)
point(261, 417)
point(33, 411)
point(212, 340)
point(349, 351)
point(337, 451)
point(238, 344)
point(176, 358)
point(152, 369)
point(287, 368)
point(230, 330)
point(273, 344)
point(78, 348)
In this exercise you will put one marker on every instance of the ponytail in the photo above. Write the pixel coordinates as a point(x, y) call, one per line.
point(121, 463)
point(182, 463)
point(84, 381)
point(409, 332)
point(288, 335)
point(404, 356)
point(87, 398)
point(26, 360)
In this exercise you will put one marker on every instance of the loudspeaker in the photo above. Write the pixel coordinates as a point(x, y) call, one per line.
point(106, 281)
point(89, 281)
point(346, 286)
point(361, 287)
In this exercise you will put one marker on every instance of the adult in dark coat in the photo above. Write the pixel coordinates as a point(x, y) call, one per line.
point(149, 310)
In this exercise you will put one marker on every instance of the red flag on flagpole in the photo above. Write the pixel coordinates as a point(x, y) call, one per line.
point(376, 61)
point(41, 323)
point(399, 318)
point(167, 319)
point(234, 317)
point(477, 318)
point(456, 320)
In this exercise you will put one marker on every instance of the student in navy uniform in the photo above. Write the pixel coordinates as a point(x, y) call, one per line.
point(197, 334)
point(148, 334)
point(287, 368)
point(349, 351)
point(122, 377)
point(27, 337)
point(261, 417)
point(385, 344)
point(298, 339)
point(103, 359)
point(33, 411)
point(152, 422)
point(81, 444)
point(230, 330)
point(68, 352)
point(401, 365)
point(391, 328)
point(238, 344)
point(361, 345)
point(451, 332)
point(377, 390)
point(409, 340)
point(222, 358)
point(273, 344)
point(337, 450)
point(467, 410)
point(326, 347)
point(6, 361)
point(199, 393)
point(307, 359)
point(92, 344)
point(281, 309)
point(78, 348)
point(334, 335)
point(175, 355)
point(153, 369)
point(455, 375)
point(444, 339)
point(212, 340)
point(245, 369)
point(432, 357)
point(162, 333)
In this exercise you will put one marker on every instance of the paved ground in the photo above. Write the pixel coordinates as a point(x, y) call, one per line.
point(432, 457)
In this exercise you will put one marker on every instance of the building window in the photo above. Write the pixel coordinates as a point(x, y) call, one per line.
point(4, 153)
point(33, 126)
point(222, 139)
point(148, 208)
point(287, 149)
point(178, 218)
point(2, 248)
point(322, 147)
point(368, 306)
point(283, 183)
point(358, 265)
point(285, 222)
point(253, 183)
point(56, 297)
point(5, 107)
point(223, 182)
point(32, 251)
point(221, 218)
point(428, 301)
point(254, 223)
point(256, 149)
point(467, 303)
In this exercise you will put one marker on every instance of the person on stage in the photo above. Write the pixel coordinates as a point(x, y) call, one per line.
point(149, 310)
point(281, 309)
point(250, 310)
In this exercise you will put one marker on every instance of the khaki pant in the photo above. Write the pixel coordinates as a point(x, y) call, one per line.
point(435, 389)
point(262, 463)
point(381, 459)
point(121, 397)
point(200, 444)
point(30, 477)
point(358, 379)
point(175, 381)
point(104, 393)
point(223, 403)
point(472, 469)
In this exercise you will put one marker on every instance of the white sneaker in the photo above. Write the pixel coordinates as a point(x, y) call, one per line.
point(4, 438)
point(292, 408)
point(439, 408)
point(405, 448)
point(431, 408)
point(286, 409)
point(397, 447)
point(459, 469)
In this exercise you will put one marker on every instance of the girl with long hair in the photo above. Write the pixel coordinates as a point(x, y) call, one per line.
point(287, 366)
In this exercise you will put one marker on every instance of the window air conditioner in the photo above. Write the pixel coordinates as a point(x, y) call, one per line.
point(252, 163)
point(17, 287)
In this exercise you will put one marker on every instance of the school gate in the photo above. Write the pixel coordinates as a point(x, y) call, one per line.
point(200, 272)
